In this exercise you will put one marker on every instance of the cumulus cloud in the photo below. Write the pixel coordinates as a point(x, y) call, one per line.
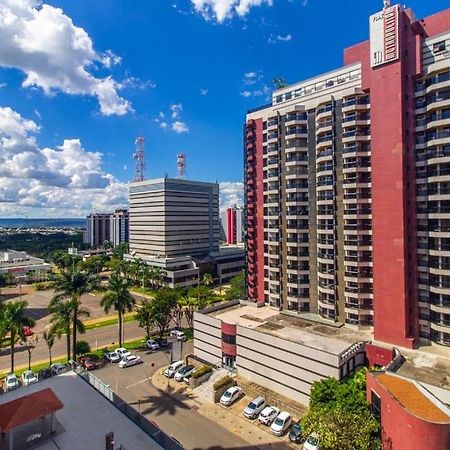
point(253, 85)
point(55, 55)
point(221, 10)
point(204, 91)
point(176, 109)
point(63, 181)
point(180, 127)
point(279, 38)
point(231, 194)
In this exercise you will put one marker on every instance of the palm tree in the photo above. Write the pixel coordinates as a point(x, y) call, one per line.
point(14, 321)
point(207, 279)
point(61, 320)
point(71, 286)
point(49, 336)
point(119, 297)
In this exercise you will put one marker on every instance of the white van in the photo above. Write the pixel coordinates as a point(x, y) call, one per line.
point(173, 368)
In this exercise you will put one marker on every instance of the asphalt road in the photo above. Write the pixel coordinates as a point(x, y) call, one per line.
point(189, 427)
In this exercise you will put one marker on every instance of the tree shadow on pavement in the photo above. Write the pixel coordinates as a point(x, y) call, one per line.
point(163, 403)
point(279, 445)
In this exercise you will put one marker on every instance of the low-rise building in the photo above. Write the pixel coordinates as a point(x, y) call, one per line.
point(279, 352)
point(23, 267)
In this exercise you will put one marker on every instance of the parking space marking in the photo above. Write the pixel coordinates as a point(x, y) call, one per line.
point(138, 382)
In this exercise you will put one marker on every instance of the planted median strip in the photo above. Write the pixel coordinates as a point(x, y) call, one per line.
point(107, 321)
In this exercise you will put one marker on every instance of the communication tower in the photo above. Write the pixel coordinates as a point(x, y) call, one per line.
point(181, 165)
point(139, 156)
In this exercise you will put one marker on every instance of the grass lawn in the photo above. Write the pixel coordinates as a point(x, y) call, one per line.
point(107, 321)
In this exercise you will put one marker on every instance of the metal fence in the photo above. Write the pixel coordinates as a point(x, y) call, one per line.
point(147, 426)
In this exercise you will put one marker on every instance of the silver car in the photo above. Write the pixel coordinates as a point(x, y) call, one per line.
point(253, 409)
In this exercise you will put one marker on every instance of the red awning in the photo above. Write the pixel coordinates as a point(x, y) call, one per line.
point(28, 408)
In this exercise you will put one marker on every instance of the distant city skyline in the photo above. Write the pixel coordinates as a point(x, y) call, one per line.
point(73, 99)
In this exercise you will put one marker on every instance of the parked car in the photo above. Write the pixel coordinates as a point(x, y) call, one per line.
point(179, 335)
point(312, 442)
point(130, 360)
point(58, 368)
point(281, 423)
point(88, 363)
point(295, 435)
point(173, 368)
point(162, 342)
point(113, 357)
point(181, 373)
point(11, 382)
point(45, 373)
point(230, 395)
point(253, 409)
point(29, 377)
point(122, 352)
point(268, 414)
point(188, 376)
point(152, 344)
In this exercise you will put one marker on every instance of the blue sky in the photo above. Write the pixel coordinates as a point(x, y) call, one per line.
point(81, 79)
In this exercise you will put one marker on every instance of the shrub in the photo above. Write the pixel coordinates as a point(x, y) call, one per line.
point(202, 371)
point(222, 382)
point(82, 347)
point(42, 286)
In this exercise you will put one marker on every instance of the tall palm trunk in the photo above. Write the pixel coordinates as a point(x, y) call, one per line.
point(120, 328)
point(68, 342)
point(13, 338)
point(74, 333)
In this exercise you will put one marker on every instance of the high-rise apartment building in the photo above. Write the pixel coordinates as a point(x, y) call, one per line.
point(174, 217)
point(232, 222)
point(119, 227)
point(347, 180)
point(98, 229)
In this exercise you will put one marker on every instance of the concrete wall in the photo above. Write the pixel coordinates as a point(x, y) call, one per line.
point(207, 338)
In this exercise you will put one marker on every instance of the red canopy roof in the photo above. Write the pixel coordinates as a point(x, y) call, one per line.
point(28, 409)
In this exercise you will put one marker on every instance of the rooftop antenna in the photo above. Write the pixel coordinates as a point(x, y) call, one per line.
point(139, 156)
point(181, 165)
point(387, 4)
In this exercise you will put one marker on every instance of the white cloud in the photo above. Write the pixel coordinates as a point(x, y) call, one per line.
point(136, 83)
point(55, 55)
point(220, 10)
point(2, 85)
point(231, 194)
point(253, 85)
point(279, 38)
point(63, 181)
point(163, 125)
point(180, 127)
point(204, 91)
point(176, 109)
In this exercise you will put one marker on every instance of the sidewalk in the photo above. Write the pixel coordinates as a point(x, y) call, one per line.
point(230, 418)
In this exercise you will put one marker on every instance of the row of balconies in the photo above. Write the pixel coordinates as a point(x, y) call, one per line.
point(434, 152)
point(432, 80)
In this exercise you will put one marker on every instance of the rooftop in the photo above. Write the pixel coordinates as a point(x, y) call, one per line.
point(316, 334)
point(86, 418)
point(412, 398)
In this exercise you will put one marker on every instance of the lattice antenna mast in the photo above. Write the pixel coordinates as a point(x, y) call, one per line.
point(139, 156)
point(181, 165)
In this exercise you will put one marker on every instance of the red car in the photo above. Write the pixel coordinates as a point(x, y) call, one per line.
point(88, 363)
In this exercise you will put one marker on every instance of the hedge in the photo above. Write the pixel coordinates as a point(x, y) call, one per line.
point(222, 382)
point(202, 371)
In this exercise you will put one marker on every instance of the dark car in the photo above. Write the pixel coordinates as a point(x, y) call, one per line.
point(45, 373)
point(162, 342)
point(295, 434)
point(89, 363)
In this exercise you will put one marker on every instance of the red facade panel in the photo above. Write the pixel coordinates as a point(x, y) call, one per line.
point(400, 429)
point(378, 356)
point(231, 226)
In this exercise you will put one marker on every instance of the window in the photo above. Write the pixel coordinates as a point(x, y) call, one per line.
point(376, 405)
point(228, 339)
point(439, 47)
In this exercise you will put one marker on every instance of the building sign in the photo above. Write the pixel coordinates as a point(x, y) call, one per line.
point(384, 36)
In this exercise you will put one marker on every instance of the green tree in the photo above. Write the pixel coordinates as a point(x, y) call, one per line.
point(49, 337)
point(144, 317)
point(14, 320)
point(162, 307)
point(202, 294)
point(29, 342)
point(207, 279)
point(64, 262)
point(72, 285)
point(279, 83)
point(118, 297)
point(237, 288)
point(120, 250)
point(61, 321)
point(82, 347)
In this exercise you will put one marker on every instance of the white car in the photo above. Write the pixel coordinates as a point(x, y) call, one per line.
point(29, 377)
point(312, 442)
point(268, 414)
point(179, 335)
point(130, 360)
point(281, 423)
point(58, 368)
point(184, 372)
point(152, 344)
point(230, 395)
point(113, 357)
point(122, 352)
point(11, 382)
point(173, 368)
